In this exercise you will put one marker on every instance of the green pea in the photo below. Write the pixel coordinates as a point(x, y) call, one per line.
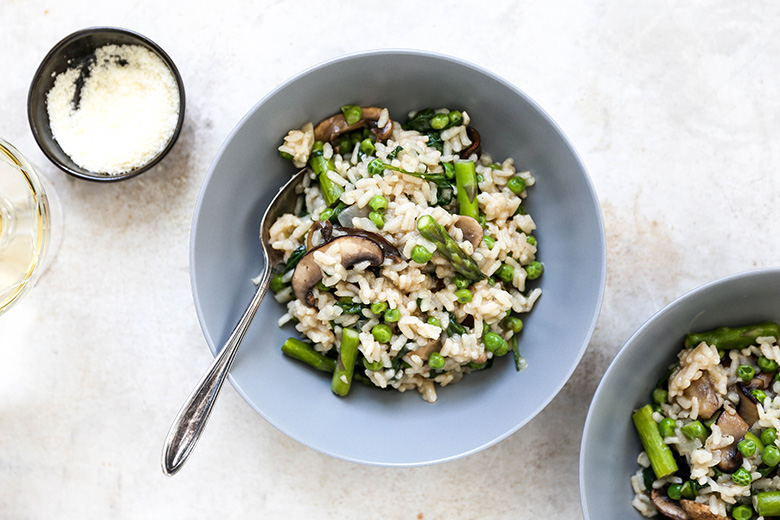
point(489, 241)
point(379, 307)
point(373, 366)
point(767, 365)
point(505, 272)
point(463, 295)
point(352, 113)
point(377, 218)
point(768, 436)
point(660, 396)
point(493, 341)
point(440, 121)
point(382, 333)
point(436, 361)
point(421, 255)
point(516, 185)
point(760, 395)
point(534, 270)
point(455, 118)
point(376, 167)
point(367, 147)
point(286, 156)
point(667, 427)
point(392, 315)
point(690, 489)
point(461, 282)
point(742, 512)
point(531, 240)
point(491, 281)
point(325, 215)
point(378, 203)
point(513, 323)
point(771, 455)
point(747, 447)
point(746, 372)
point(674, 491)
point(694, 430)
point(277, 284)
point(741, 477)
point(433, 321)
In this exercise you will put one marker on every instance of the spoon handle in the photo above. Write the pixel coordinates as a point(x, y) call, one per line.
point(191, 419)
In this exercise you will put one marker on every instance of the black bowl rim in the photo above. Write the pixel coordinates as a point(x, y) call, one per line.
point(34, 90)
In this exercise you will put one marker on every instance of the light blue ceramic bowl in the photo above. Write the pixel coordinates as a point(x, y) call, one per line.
point(381, 427)
point(610, 445)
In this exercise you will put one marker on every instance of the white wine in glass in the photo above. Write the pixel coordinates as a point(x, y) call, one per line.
point(27, 212)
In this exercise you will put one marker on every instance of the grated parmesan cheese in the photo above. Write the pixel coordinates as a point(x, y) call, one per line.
point(118, 112)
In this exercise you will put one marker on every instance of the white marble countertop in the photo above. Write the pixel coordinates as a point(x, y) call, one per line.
point(673, 107)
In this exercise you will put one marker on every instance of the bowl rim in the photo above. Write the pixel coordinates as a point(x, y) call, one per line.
point(602, 249)
point(669, 308)
point(34, 91)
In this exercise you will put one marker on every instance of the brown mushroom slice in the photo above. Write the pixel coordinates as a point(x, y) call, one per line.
point(319, 234)
point(761, 381)
point(353, 250)
point(475, 145)
point(472, 230)
point(748, 405)
point(731, 424)
point(329, 129)
point(667, 507)
point(704, 392)
point(389, 250)
point(699, 511)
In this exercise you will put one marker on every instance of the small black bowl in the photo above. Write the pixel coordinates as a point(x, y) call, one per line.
point(68, 51)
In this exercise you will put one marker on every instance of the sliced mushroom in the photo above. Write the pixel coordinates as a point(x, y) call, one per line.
point(319, 234)
point(704, 391)
point(389, 250)
point(699, 511)
point(667, 507)
point(731, 424)
point(762, 381)
point(353, 250)
point(748, 405)
point(329, 129)
point(475, 145)
point(472, 230)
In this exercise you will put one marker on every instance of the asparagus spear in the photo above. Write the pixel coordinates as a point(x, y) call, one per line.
point(304, 352)
point(448, 248)
point(466, 182)
point(768, 503)
point(345, 367)
point(661, 457)
point(321, 166)
point(725, 338)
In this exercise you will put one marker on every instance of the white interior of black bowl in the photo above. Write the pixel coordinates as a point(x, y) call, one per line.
point(610, 445)
point(370, 425)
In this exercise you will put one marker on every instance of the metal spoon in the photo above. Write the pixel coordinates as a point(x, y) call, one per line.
point(191, 420)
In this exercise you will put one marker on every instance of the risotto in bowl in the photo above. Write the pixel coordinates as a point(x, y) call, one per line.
point(446, 232)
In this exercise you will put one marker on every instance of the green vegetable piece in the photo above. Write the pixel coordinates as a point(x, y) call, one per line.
point(321, 166)
point(660, 455)
point(352, 113)
point(520, 210)
point(767, 365)
point(489, 241)
point(367, 147)
point(690, 489)
point(771, 455)
point(382, 333)
point(674, 491)
point(746, 372)
point(726, 338)
point(516, 185)
point(277, 284)
point(376, 167)
point(295, 257)
point(742, 477)
point(433, 321)
point(760, 395)
point(742, 512)
point(304, 352)
point(455, 117)
point(505, 272)
point(377, 218)
point(769, 436)
point(747, 447)
point(421, 121)
point(531, 240)
point(286, 156)
point(454, 328)
point(768, 503)
point(461, 282)
point(378, 203)
point(695, 430)
point(449, 170)
point(436, 361)
point(466, 183)
point(449, 249)
point(513, 323)
point(463, 295)
point(379, 307)
point(326, 214)
point(392, 315)
point(667, 427)
point(494, 342)
point(421, 255)
point(373, 366)
point(392, 155)
point(345, 365)
point(759, 445)
point(440, 121)
point(534, 270)
point(660, 396)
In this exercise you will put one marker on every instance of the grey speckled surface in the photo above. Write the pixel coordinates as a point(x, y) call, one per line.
point(673, 108)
